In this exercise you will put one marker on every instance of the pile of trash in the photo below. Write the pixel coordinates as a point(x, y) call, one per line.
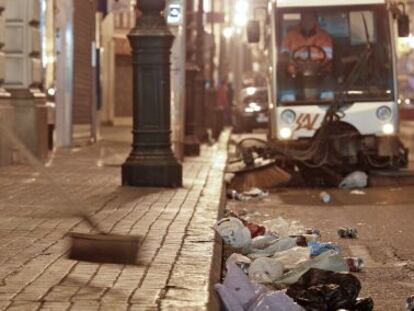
point(280, 265)
point(253, 193)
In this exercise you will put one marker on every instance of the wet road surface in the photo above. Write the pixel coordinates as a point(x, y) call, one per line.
point(384, 217)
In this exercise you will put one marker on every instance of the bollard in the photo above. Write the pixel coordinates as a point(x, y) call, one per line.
point(151, 162)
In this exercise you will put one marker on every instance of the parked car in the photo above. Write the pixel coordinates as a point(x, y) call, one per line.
point(253, 111)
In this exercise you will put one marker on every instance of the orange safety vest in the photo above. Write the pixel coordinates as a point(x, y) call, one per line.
point(294, 39)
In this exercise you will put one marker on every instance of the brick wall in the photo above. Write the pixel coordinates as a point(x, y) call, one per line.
point(84, 35)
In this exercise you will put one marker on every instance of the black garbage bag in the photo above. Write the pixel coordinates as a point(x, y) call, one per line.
point(364, 304)
point(320, 290)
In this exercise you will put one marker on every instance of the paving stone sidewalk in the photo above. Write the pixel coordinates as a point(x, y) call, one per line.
point(180, 254)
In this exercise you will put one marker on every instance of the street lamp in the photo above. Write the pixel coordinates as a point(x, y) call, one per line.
point(151, 162)
point(228, 32)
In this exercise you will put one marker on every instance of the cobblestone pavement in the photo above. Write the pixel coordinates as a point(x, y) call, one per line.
point(180, 254)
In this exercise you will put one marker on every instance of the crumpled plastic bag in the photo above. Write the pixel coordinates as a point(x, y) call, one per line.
point(256, 193)
point(277, 246)
point(242, 261)
point(320, 290)
point(263, 241)
point(329, 261)
point(265, 270)
point(354, 180)
point(238, 293)
point(317, 248)
point(293, 257)
point(283, 228)
point(233, 232)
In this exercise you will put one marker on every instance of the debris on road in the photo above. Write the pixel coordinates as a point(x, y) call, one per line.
point(355, 264)
point(253, 193)
point(358, 192)
point(325, 197)
point(312, 235)
point(292, 257)
point(328, 261)
point(317, 248)
point(409, 303)
point(348, 233)
point(239, 293)
point(233, 232)
point(283, 254)
point(283, 227)
point(240, 260)
point(325, 290)
point(355, 180)
point(265, 270)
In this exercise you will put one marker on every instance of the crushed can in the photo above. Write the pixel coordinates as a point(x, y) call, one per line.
point(346, 233)
point(355, 264)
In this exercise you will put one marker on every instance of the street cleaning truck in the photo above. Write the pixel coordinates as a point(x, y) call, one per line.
point(333, 99)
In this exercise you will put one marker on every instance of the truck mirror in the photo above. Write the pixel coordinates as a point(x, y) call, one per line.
point(253, 32)
point(403, 25)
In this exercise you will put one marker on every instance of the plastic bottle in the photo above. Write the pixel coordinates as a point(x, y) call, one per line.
point(325, 197)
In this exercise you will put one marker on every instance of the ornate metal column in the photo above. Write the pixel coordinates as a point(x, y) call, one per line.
point(151, 162)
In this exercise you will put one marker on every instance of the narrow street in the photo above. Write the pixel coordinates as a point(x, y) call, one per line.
point(385, 236)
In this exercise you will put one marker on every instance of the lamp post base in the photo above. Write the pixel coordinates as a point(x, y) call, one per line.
point(152, 172)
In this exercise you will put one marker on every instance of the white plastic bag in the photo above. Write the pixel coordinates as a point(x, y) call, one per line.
point(283, 228)
point(278, 246)
point(355, 180)
point(292, 257)
point(233, 232)
point(265, 270)
point(330, 261)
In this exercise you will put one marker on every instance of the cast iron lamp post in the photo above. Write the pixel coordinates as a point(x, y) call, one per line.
point(151, 162)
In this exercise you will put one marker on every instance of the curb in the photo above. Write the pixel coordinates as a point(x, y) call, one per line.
point(216, 265)
point(202, 248)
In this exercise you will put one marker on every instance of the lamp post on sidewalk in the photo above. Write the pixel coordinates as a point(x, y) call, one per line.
point(151, 162)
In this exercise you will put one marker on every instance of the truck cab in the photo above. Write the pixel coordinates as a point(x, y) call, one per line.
point(354, 75)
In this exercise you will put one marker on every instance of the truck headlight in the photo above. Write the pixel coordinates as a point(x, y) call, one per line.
point(288, 116)
point(285, 133)
point(384, 113)
point(388, 129)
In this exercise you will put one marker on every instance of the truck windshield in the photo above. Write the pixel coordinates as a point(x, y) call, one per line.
point(334, 54)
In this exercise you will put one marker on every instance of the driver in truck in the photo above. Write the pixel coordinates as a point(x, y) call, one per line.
point(308, 41)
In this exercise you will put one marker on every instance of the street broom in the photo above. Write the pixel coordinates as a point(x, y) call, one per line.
point(99, 247)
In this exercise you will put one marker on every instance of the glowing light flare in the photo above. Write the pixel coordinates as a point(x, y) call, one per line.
point(241, 16)
point(228, 32)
